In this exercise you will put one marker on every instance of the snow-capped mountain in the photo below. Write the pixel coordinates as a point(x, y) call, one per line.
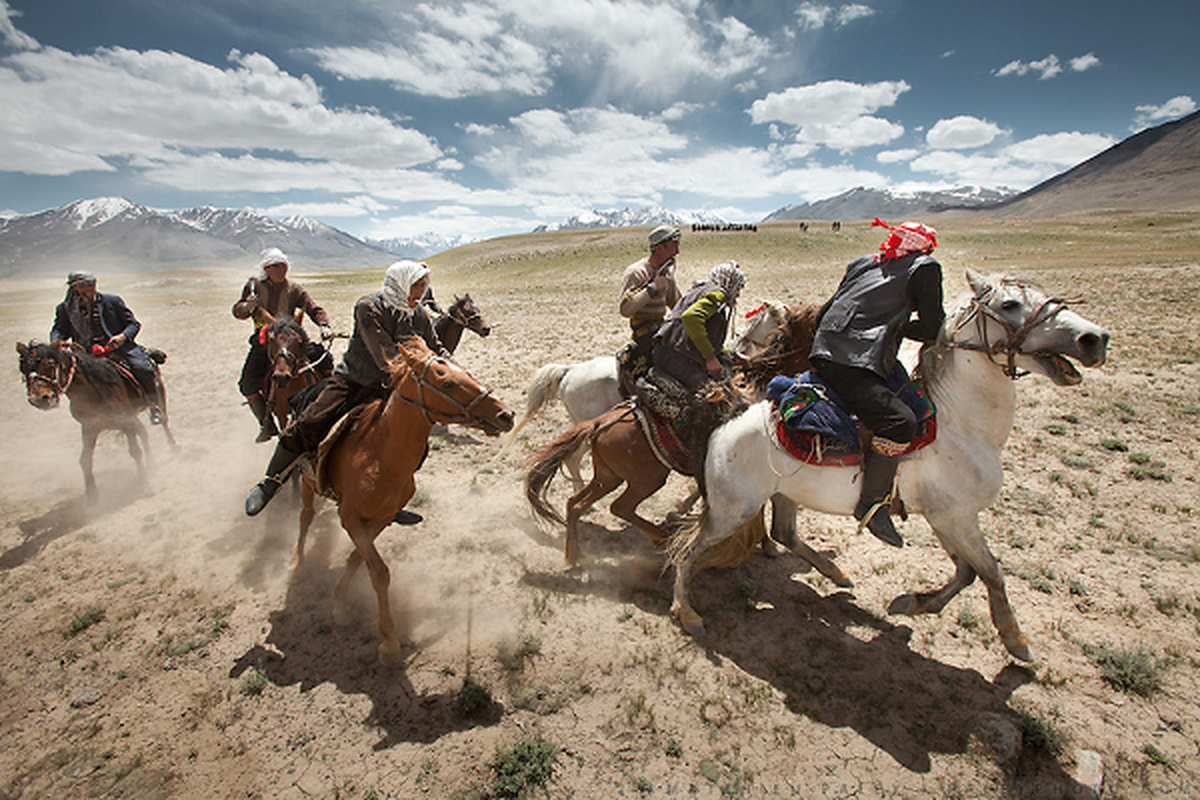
point(860, 203)
point(116, 234)
point(631, 217)
point(419, 247)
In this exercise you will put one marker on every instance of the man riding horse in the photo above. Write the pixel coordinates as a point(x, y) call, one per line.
point(103, 325)
point(381, 320)
point(267, 297)
point(648, 292)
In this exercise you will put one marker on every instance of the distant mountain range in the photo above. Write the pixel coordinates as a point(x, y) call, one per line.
point(632, 217)
point(1156, 169)
point(860, 203)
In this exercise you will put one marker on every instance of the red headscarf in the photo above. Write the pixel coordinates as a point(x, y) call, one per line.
point(911, 237)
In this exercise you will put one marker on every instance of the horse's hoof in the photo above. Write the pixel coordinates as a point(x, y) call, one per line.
point(905, 604)
point(695, 629)
point(389, 653)
point(1018, 648)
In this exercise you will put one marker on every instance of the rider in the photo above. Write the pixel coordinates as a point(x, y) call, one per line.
point(689, 344)
point(381, 320)
point(103, 324)
point(270, 295)
point(648, 292)
point(858, 336)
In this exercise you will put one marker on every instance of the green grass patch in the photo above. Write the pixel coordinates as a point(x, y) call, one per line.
point(522, 767)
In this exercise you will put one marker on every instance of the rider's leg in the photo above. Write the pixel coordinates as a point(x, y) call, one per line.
point(254, 373)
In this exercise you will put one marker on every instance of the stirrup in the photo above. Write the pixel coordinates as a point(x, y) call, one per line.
point(881, 526)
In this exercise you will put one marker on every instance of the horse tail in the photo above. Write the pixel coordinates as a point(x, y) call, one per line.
point(545, 464)
point(543, 388)
point(683, 541)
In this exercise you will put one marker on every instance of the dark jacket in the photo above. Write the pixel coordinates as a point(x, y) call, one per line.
point(377, 329)
point(108, 316)
point(869, 315)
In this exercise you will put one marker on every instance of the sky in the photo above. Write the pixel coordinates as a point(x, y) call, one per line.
point(391, 118)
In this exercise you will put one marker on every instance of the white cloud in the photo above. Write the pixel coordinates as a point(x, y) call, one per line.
point(1084, 63)
point(1046, 68)
point(980, 170)
point(1179, 106)
point(1059, 149)
point(834, 113)
point(814, 16)
point(897, 156)
point(69, 112)
point(525, 45)
point(9, 35)
point(962, 132)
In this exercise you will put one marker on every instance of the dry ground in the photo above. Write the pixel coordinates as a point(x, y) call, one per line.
point(155, 645)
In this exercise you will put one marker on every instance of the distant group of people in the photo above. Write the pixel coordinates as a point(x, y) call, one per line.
point(882, 298)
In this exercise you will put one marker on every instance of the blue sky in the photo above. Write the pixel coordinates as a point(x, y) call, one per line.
point(387, 118)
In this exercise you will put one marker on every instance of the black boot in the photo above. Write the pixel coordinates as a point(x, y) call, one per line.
point(266, 420)
point(277, 473)
point(874, 504)
point(406, 517)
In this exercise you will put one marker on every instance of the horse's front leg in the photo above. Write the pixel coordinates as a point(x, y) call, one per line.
point(308, 498)
point(783, 530)
point(381, 579)
point(86, 457)
point(681, 604)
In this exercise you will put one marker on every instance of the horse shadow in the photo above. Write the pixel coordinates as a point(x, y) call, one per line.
point(838, 664)
point(305, 648)
point(64, 519)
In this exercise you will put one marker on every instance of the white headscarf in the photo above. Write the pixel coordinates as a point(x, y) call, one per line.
point(730, 278)
point(399, 280)
point(272, 255)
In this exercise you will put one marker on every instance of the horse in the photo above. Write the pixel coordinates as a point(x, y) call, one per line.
point(622, 454)
point(103, 396)
point(369, 467)
point(587, 389)
point(1004, 329)
point(288, 352)
point(462, 315)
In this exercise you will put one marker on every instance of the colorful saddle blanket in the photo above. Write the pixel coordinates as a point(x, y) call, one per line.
point(816, 426)
point(664, 441)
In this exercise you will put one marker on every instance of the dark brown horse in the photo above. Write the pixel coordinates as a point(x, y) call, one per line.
point(103, 396)
point(369, 467)
point(289, 352)
point(462, 315)
point(621, 453)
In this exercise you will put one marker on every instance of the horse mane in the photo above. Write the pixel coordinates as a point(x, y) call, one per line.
point(285, 323)
point(786, 349)
point(102, 373)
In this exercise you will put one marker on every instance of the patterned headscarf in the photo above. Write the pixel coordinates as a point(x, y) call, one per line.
point(399, 280)
point(911, 237)
point(730, 278)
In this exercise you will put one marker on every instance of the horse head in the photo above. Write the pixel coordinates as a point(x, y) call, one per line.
point(767, 316)
point(445, 392)
point(287, 350)
point(465, 312)
point(1031, 330)
point(48, 370)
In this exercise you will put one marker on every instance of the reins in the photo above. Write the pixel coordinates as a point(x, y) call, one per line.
point(56, 383)
point(422, 383)
point(1015, 335)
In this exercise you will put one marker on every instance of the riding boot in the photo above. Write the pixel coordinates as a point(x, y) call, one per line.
point(406, 517)
point(277, 472)
point(874, 505)
point(266, 420)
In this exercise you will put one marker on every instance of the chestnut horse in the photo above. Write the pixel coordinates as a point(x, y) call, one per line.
point(621, 453)
point(368, 467)
point(103, 397)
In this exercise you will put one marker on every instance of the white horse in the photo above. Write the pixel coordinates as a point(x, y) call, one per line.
point(1005, 327)
point(589, 388)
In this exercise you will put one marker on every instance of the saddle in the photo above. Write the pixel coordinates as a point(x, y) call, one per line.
point(814, 425)
point(661, 407)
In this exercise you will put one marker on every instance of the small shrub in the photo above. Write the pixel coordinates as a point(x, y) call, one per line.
point(1039, 733)
point(1056, 429)
point(473, 696)
point(1115, 445)
point(523, 766)
point(254, 682)
point(84, 620)
point(1128, 670)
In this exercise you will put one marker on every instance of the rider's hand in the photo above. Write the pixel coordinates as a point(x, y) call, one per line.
point(116, 341)
point(660, 283)
point(712, 365)
point(327, 334)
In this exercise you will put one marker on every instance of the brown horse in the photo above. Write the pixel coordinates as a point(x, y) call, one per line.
point(288, 353)
point(369, 467)
point(103, 397)
point(463, 315)
point(621, 453)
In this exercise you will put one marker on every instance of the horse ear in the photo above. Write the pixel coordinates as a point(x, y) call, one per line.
point(298, 316)
point(22, 349)
point(979, 284)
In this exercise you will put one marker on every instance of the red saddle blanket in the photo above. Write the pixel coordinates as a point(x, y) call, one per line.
point(664, 442)
point(829, 451)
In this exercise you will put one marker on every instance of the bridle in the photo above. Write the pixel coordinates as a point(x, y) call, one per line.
point(57, 384)
point(458, 312)
point(463, 413)
point(980, 312)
